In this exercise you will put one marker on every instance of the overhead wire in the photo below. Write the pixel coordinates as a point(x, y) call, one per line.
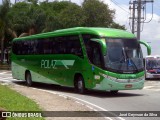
point(116, 3)
point(128, 13)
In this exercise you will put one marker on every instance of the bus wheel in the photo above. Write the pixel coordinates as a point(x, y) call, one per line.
point(28, 79)
point(79, 85)
point(114, 91)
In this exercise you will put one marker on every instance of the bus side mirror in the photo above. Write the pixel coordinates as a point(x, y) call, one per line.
point(102, 43)
point(147, 45)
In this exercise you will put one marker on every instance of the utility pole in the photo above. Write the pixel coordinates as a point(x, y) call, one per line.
point(138, 16)
point(133, 16)
point(139, 19)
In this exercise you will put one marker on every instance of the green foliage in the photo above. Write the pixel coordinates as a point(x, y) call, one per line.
point(71, 16)
point(49, 16)
point(13, 101)
point(4, 24)
point(18, 16)
point(4, 9)
point(115, 25)
point(62, 14)
point(97, 13)
point(25, 16)
point(31, 17)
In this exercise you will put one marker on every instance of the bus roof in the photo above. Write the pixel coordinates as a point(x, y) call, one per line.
point(105, 32)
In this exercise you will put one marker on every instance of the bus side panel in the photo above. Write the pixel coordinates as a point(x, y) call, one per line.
point(17, 67)
point(41, 68)
point(17, 71)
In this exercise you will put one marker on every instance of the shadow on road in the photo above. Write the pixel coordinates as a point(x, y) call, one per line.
point(155, 79)
point(101, 94)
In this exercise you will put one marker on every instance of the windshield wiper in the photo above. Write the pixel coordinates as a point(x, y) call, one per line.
point(130, 61)
point(124, 53)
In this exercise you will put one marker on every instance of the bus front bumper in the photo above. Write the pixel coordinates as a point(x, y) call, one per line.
point(149, 75)
point(108, 84)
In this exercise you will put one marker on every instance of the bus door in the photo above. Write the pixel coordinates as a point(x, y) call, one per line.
point(96, 61)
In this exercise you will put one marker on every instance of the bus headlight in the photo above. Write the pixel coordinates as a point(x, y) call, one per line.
point(141, 78)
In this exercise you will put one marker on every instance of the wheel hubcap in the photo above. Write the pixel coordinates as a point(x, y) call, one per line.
point(28, 78)
point(80, 85)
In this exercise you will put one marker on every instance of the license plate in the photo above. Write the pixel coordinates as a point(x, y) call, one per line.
point(128, 86)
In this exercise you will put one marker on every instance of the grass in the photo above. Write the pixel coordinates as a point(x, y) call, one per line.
point(11, 100)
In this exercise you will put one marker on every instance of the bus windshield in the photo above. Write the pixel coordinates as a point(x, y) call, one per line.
point(123, 55)
point(152, 63)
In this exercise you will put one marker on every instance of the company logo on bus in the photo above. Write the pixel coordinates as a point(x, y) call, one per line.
point(55, 63)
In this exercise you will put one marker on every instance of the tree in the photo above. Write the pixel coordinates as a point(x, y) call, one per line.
point(4, 24)
point(98, 14)
point(27, 18)
point(52, 15)
point(71, 16)
point(116, 25)
point(63, 14)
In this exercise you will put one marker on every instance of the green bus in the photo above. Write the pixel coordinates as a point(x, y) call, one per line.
point(81, 57)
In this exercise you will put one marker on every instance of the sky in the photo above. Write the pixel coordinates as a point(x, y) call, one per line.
point(151, 30)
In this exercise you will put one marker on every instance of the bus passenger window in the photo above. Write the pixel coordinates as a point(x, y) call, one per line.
point(54, 45)
point(47, 46)
point(74, 46)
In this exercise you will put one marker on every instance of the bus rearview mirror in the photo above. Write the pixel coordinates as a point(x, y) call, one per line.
point(147, 46)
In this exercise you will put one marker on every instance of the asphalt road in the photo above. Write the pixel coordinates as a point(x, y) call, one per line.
point(147, 99)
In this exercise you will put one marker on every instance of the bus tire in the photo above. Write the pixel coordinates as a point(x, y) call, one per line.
point(28, 79)
point(79, 85)
point(114, 92)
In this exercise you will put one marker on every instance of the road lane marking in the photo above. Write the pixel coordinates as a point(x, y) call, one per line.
point(148, 87)
point(6, 78)
point(96, 106)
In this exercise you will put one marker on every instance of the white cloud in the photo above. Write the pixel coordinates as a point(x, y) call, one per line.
point(151, 30)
